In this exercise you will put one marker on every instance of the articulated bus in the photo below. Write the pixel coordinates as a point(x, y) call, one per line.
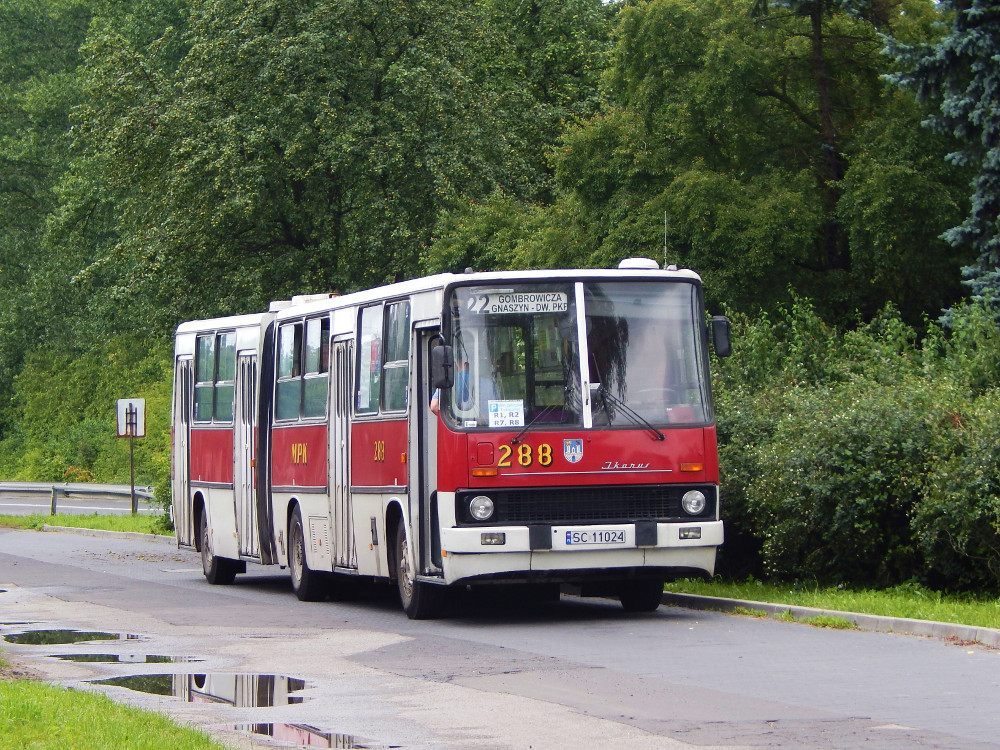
point(549, 428)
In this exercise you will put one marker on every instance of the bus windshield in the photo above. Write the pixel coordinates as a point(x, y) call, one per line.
point(516, 356)
point(519, 359)
point(644, 353)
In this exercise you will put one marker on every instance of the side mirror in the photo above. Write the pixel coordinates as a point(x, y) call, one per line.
point(720, 336)
point(442, 367)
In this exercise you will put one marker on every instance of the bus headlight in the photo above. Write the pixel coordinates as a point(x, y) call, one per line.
point(693, 502)
point(481, 508)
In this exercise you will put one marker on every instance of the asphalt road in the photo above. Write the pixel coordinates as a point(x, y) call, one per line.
point(494, 673)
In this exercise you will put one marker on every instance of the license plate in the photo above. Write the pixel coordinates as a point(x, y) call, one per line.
point(590, 537)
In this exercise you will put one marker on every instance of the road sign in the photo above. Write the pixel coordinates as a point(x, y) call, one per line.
point(131, 417)
point(132, 424)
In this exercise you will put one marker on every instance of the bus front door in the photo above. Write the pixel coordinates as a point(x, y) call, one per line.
point(423, 429)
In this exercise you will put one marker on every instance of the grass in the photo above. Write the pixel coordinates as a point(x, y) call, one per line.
point(138, 523)
point(908, 601)
point(46, 717)
point(819, 621)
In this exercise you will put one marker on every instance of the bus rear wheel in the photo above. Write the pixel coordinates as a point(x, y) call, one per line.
point(309, 585)
point(218, 570)
point(421, 601)
point(641, 596)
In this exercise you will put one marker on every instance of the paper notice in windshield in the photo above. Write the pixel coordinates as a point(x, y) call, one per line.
point(506, 413)
point(511, 302)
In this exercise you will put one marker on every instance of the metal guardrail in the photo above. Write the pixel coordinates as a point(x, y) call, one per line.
point(83, 491)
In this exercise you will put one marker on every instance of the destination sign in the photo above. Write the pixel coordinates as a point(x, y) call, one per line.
point(511, 302)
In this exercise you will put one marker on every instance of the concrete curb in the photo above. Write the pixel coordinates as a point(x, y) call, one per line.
point(875, 623)
point(134, 536)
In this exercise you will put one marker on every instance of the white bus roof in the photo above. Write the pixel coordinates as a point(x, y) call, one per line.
point(305, 304)
point(438, 282)
point(212, 324)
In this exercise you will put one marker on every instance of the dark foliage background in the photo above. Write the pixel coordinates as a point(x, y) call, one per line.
point(163, 160)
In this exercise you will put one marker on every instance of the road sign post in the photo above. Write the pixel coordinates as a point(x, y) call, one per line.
point(132, 424)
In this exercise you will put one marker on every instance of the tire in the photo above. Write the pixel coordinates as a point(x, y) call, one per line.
point(642, 595)
point(308, 585)
point(219, 571)
point(421, 601)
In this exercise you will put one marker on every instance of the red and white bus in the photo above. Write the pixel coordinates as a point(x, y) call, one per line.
point(575, 441)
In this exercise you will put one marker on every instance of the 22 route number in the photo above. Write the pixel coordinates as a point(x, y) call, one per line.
point(526, 455)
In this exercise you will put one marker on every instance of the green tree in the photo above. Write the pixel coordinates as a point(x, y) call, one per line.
point(959, 74)
point(761, 139)
point(38, 87)
point(247, 152)
point(544, 59)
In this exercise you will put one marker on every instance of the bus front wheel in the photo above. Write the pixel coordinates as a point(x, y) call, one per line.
point(641, 595)
point(421, 601)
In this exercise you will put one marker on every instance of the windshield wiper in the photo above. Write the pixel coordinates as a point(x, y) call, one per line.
point(633, 415)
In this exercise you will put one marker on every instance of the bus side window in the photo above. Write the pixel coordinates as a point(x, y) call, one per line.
point(289, 385)
point(317, 367)
point(225, 377)
point(204, 389)
point(215, 377)
point(370, 360)
point(397, 356)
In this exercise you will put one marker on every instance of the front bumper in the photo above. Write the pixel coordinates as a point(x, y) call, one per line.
point(534, 552)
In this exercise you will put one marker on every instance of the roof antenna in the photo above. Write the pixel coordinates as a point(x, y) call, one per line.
point(666, 247)
point(664, 239)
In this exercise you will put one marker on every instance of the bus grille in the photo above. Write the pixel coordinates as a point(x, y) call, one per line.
point(586, 505)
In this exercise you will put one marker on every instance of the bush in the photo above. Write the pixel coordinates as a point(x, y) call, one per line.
point(868, 457)
point(65, 415)
point(957, 526)
point(838, 482)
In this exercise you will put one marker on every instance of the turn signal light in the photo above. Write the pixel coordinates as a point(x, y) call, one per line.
point(692, 466)
point(489, 471)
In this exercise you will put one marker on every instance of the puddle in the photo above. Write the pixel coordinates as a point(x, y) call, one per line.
point(57, 637)
point(125, 658)
point(307, 736)
point(240, 690)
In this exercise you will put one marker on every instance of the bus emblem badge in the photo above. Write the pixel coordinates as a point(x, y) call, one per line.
point(573, 450)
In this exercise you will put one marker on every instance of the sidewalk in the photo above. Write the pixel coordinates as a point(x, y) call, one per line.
point(131, 535)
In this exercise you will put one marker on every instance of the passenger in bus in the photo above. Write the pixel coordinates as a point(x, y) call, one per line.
point(463, 393)
point(487, 389)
